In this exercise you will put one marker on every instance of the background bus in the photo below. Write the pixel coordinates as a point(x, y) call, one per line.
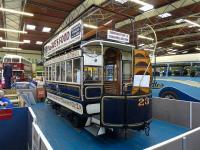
point(21, 67)
point(178, 77)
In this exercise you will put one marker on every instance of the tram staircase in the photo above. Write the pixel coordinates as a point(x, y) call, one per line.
point(93, 125)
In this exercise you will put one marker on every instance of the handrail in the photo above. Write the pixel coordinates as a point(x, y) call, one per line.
point(32, 114)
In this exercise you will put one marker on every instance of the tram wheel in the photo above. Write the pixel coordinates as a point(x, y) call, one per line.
point(113, 132)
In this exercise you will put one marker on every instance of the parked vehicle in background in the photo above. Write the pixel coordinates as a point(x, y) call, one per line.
point(21, 67)
point(178, 77)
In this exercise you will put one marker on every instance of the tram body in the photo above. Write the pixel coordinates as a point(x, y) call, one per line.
point(100, 82)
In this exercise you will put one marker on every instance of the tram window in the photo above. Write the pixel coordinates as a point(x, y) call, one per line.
point(58, 71)
point(93, 74)
point(76, 71)
point(126, 73)
point(63, 71)
point(15, 60)
point(46, 73)
point(53, 72)
point(7, 60)
point(50, 73)
point(69, 71)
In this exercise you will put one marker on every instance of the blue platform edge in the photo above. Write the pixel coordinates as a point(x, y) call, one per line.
point(61, 135)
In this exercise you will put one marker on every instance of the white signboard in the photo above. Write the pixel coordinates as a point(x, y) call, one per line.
point(65, 38)
point(141, 80)
point(74, 106)
point(118, 36)
point(93, 59)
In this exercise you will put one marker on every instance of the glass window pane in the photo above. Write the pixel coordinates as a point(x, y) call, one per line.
point(69, 71)
point(50, 73)
point(6, 60)
point(63, 71)
point(58, 72)
point(46, 73)
point(15, 60)
point(126, 73)
point(53, 72)
point(76, 71)
point(92, 74)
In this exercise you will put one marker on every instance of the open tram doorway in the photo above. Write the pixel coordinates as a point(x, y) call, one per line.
point(112, 71)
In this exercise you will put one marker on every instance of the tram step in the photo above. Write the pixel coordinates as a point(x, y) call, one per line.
point(95, 130)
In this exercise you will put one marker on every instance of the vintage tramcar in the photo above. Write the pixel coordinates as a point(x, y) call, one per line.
point(103, 83)
point(21, 67)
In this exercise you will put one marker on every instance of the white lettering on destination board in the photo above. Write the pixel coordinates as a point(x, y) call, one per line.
point(118, 36)
point(77, 107)
point(65, 38)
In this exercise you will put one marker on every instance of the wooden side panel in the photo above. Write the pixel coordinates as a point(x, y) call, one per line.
point(140, 63)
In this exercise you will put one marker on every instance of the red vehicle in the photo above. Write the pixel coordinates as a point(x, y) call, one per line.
point(21, 67)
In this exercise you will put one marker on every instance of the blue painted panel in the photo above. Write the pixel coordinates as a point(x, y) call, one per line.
point(186, 88)
point(64, 90)
point(13, 133)
point(127, 111)
point(93, 92)
point(138, 114)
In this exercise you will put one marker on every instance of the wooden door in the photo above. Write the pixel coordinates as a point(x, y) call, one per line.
point(112, 69)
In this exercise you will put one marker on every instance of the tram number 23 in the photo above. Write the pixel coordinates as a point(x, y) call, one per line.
point(143, 101)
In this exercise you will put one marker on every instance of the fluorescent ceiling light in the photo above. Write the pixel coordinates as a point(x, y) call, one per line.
point(146, 8)
point(197, 48)
point(179, 21)
point(90, 26)
point(165, 15)
point(191, 26)
point(144, 37)
point(9, 41)
point(177, 44)
point(46, 29)
point(12, 48)
point(151, 45)
point(30, 27)
point(141, 44)
point(108, 22)
point(191, 22)
point(11, 30)
point(174, 50)
point(121, 1)
point(16, 12)
point(26, 41)
point(184, 52)
point(171, 53)
point(141, 2)
point(39, 42)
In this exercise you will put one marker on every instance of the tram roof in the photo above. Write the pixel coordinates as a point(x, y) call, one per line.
point(108, 43)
